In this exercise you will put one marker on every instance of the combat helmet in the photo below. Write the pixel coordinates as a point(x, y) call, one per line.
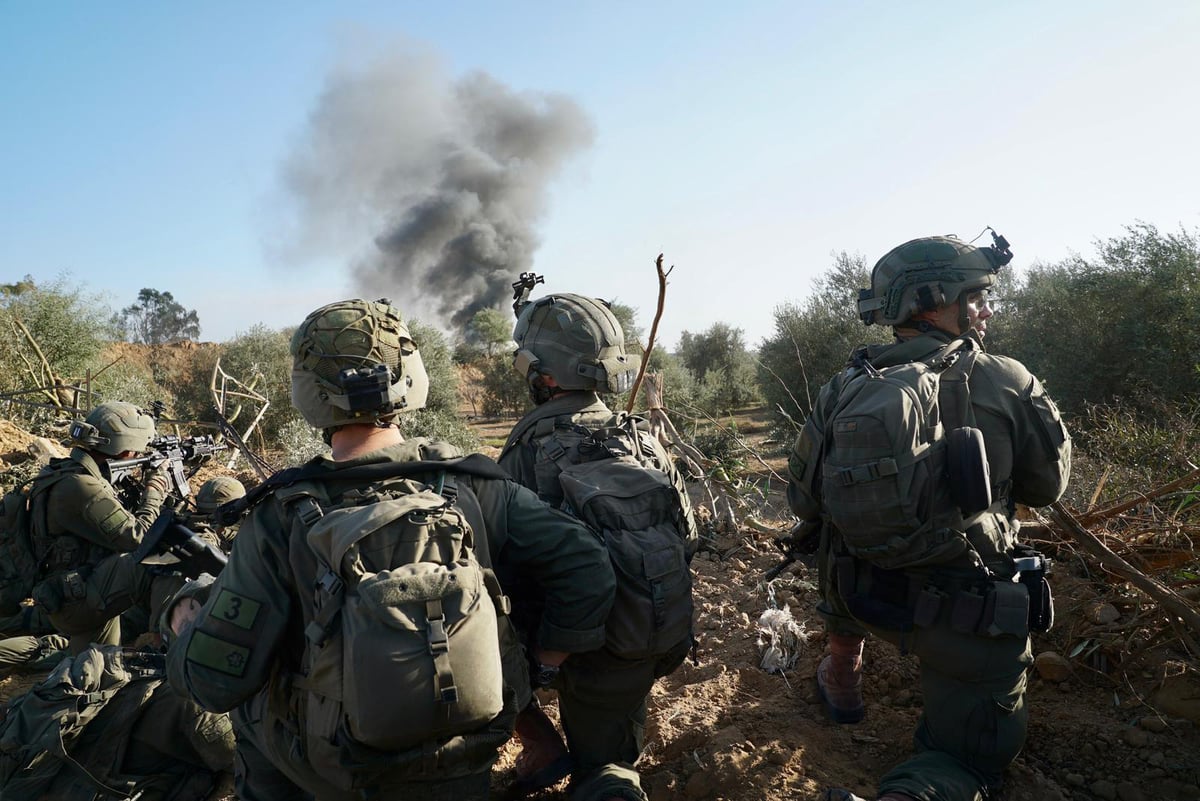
point(575, 340)
point(927, 273)
point(218, 491)
point(355, 362)
point(112, 428)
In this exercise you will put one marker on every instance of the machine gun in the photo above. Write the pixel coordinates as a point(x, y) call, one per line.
point(173, 450)
point(521, 289)
point(174, 547)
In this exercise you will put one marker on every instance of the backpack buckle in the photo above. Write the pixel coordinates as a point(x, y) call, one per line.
point(330, 584)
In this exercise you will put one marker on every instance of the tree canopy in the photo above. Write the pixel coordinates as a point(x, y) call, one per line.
point(157, 318)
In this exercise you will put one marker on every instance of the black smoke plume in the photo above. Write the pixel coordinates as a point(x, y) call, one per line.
point(448, 178)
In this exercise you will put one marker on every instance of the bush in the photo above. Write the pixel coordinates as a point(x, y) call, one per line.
point(504, 392)
point(260, 358)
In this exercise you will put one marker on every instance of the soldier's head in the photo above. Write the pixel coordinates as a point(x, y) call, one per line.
point(570, 342)
point(933, 282)
point(114, 429)
point(218, 491)
point(355, 363)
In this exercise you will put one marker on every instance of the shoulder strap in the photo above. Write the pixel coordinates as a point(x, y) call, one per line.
point(954, 397)
point(475, 464)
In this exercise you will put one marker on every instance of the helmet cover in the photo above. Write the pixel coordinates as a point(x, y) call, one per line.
point(113, 428)
point(924, 274)
point(355, 361)
point(575, 340)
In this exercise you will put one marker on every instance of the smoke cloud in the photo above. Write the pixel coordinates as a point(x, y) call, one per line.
point(440, 183)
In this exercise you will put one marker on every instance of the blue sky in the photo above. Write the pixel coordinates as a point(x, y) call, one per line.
point(143, 143)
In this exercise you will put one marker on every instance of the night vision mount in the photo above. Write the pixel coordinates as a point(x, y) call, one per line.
point(521, 289)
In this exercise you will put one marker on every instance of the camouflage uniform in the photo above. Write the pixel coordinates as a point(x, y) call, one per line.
point(974, 719)
point(255, 662)
point(90, 576)
point(601, 697)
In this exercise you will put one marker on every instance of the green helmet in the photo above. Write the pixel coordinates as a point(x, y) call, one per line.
point(577, 341)
point(925, 274)
point(355, 362)
point(217, 491)
point(112, 428)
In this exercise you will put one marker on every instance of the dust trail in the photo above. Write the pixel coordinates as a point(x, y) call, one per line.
point(448, 177)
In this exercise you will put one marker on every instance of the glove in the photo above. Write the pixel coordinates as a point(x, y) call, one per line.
point(197, 590)
point(157, 482)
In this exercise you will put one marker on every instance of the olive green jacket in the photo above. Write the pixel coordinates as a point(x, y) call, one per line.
point(249, 633)
point(1028, 448)
point(79, 517)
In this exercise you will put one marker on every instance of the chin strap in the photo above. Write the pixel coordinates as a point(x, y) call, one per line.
point(538, 391)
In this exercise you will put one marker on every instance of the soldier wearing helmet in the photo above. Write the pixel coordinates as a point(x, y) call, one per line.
point(89, 577)
point(213, 494)
point(570, 351)
point(933, 291)
point(356, 368)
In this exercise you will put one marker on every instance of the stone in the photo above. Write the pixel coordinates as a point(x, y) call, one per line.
point(1104, 789)
point(1138, 738)
point(1154, 724)
point(1103, 613)
point(1074, 779)
point(699, 785)
point(1052, 666)
point(1128, 791)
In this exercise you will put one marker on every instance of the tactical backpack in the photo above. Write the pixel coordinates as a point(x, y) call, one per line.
point(41, 731)
point(20, 561)
point(902, 461)
point(606, 479)
point(403, 651)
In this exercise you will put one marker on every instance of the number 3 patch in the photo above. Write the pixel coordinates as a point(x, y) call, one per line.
point(237, 610)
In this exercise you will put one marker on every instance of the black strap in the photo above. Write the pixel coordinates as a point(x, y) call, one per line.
point(475, 464)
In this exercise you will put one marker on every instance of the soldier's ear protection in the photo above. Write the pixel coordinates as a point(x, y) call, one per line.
point(86, 434)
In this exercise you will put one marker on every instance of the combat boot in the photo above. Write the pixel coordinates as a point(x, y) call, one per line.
point(544, 760)
point(846, 795)
point(839, 679)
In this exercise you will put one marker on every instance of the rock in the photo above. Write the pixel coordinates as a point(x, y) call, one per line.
point(904, 697)
point(1074, 779)
point(700, 785)
point(44, 450)
point(1138, 738)
point(727, 738)
point(1179, 695)
point(1154, 724)
point(1104, 789)
point(1157, 758)
point(779, 755)
point(659, 787)
point(1128, 791)
point(1052, 666)
point(1102, 613)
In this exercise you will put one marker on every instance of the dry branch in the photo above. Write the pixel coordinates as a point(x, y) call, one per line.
point(1112, 511)
point(662, 297)
point(1167, 599)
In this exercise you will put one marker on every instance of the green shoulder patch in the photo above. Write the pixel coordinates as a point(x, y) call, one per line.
point(207, 650)
point(235, 609)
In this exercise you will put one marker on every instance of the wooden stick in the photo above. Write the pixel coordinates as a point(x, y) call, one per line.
point(1112, 511)
point(662, 296)
point(1167, 599)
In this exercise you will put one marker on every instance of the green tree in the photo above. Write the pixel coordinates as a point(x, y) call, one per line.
point(722, 367)
point(157, 318)
point(48, 332)
point(1120, 325)
point(627, 316)
point(490, 331)
point(813, 338)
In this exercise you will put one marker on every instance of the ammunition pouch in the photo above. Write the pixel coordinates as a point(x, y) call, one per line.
point(968, 605)
point(62, 589)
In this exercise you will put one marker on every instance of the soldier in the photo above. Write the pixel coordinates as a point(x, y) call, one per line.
point(89, 577)
point(120, 726)
point(213, 494)
point(355, 368)
point(570, 348)
point(953, 610)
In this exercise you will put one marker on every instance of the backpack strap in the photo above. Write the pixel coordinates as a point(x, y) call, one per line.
point(954, 397)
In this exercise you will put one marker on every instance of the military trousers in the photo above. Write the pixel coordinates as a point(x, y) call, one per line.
point(602, 704)
point(86, 605)
point(974, 720)
point(271, 765)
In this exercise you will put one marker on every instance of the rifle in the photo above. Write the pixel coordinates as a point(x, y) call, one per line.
point(171, 545)
point(175, 451)
point(797, 545)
